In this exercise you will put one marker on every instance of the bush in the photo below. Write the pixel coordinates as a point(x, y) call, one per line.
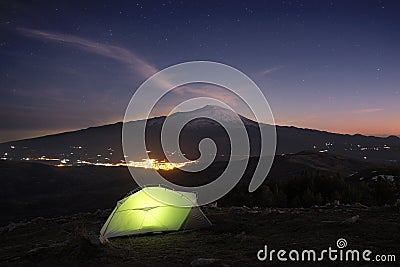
point(314, 188)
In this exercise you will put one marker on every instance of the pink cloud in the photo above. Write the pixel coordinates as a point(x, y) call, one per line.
point(367, 110)
point(118, 53)
point(211, 91)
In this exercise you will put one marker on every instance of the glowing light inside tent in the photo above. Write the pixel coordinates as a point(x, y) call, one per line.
point(142, 213)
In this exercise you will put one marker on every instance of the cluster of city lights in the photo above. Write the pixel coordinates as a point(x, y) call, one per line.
point(158, 165)
point(148, 163)
point(145, 163)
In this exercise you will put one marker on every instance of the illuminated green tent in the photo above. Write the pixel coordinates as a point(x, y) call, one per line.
point(140, 213)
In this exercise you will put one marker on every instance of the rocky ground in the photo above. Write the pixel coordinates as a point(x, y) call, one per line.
point(236, 236)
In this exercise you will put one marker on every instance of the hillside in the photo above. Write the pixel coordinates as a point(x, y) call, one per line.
point(234, 239)
point(34, 189)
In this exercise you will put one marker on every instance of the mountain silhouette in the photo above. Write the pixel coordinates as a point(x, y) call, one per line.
point(103, 143)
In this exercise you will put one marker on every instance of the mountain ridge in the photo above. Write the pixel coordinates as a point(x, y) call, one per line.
point(390, 137)
point(103, 143)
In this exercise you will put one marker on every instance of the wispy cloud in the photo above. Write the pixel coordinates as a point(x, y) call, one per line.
point(209, 90)
point(123, 55)
point(269, 70)
point(367, 110)
point(137, 64)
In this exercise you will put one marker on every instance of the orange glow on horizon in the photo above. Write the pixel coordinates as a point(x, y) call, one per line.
point(345, 123)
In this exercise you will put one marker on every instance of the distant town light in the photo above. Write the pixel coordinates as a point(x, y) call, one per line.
point(145, 163)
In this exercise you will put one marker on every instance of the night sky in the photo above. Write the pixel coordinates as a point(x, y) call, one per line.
point(329, 65)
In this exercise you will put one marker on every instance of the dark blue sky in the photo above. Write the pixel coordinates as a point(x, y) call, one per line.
point(331, 65)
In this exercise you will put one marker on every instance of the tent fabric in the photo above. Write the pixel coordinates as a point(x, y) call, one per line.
point(141, 213)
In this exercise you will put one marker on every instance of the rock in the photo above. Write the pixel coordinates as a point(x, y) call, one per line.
point(12, 226)
point(359, 205)
point(36, 250)
point(352, 219)
point(101, 213)
point(40, 248)
point(98, 212)
point(214, 205)
point(103, 240)
point(94, 240)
